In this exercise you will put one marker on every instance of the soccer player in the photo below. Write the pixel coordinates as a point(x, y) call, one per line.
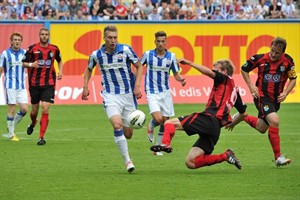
point(121, 87)
point(159, 63)
point(39, 59)
point(207, 124)
point(14, 83)
point(274, 68)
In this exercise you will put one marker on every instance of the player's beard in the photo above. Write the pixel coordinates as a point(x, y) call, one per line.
point(44, 41)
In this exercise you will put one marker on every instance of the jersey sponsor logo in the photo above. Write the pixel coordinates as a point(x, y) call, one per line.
point(272, 78)
point(276, 78)
point(157, 68)
point(113, 66)
point(15, 63)
point(44, 63)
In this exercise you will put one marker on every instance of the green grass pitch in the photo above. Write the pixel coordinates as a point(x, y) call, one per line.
point(81, 161)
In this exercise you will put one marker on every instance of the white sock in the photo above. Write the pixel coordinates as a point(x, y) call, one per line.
point(18, 117)
point(159, 138)
point(10, 126)
point(123, 147)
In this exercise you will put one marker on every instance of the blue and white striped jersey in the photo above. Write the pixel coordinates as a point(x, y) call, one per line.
point(11, 62)
point(158, 71)
point(117, 76)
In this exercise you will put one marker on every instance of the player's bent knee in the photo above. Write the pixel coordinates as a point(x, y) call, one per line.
point(128, 132)
point(24, 111)
point(128, 135)
point(190, 163)
point(262, 131)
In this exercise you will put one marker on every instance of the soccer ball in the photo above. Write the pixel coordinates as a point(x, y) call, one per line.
point(136, 119)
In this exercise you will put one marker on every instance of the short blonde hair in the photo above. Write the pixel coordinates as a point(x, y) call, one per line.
point(281, 42)
point(226, 65)
point(110, 28)
point(44, 29)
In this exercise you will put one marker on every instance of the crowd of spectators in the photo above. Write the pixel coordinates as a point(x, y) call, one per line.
point(147, 9)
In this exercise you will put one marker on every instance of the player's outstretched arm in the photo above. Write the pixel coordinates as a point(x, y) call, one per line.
point(236, 119)
point(203, 69)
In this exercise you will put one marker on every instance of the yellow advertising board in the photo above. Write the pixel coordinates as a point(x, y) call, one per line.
point(201, 43)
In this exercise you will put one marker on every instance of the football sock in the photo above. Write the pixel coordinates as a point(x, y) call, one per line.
point(10, 126)
point(33, 118)
point(251, 120)
point(207, 160)
point(44, 124)
point(168, 134)
point(18, 117)
point(275, 141)
point(122, 144)
point(160, 134)
point(159, 138)
point(153, 124)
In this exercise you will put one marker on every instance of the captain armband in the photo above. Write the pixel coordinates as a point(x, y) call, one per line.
point(292, 74)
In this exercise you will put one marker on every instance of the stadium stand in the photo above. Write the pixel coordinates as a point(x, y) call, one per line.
point(149, 9)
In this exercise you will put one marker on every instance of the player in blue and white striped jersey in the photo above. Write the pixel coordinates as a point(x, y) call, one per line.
point(159, 63)
point(14, 83)
point(121, 87)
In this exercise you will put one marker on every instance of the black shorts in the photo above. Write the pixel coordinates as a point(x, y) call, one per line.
point(207, 127)
point(44, 93)
point(266, 106)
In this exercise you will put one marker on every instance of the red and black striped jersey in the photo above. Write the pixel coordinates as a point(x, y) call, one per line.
point(272, 75)
point(45, 74)
point(222, 98)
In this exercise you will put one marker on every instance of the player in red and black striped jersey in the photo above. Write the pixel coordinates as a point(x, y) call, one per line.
point(274, 69)
point(207, 124)
point(39, 59)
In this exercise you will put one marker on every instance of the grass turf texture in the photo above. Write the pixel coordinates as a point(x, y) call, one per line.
point(81, 161)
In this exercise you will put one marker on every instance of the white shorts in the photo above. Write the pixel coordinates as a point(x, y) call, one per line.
point(120, 104)
point(162, 102)
point(14, 96)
